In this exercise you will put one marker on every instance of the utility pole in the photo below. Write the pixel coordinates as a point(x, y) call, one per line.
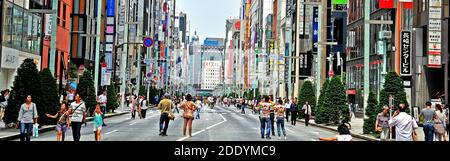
point(366, 53)
point(123, 63)
point(150, 49)
point(53, 38)
point(97, 44)
point(139, 38)
point(289, 7)
point(322, 52)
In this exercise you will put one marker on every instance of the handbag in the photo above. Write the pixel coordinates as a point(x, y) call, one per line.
point(170, 114)
point(439, 127)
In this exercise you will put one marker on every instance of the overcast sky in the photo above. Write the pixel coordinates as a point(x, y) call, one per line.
point(208, 17)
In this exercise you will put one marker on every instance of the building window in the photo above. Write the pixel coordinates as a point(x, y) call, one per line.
point(59, 13)
point(64, 15)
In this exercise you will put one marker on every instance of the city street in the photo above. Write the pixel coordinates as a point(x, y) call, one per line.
point(218, 124)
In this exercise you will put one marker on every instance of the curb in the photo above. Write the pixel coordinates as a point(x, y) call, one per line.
point(52, 127)
point(333, 129)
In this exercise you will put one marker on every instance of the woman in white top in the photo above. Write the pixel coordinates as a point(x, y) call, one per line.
point(440, 120)
point(344, 133)
point(144, 107)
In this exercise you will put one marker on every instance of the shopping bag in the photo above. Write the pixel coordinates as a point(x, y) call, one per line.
point(35, 130)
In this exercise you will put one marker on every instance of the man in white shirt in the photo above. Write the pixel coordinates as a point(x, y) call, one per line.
point(307, 111)
point(404, 124)
point(287, 106)
point(102, 101)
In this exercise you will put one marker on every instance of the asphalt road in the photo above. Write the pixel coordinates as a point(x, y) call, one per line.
point(218, 124)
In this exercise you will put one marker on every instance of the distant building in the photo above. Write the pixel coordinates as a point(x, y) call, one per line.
point(211, 74)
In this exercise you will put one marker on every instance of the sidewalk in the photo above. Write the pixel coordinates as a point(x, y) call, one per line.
point(11, 134)
point(357, 129)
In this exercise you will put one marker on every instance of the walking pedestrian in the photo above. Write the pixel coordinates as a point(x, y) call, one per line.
point(382, 125)
point(78, 111)
point(3, 103)
point(177, 103)
point(28, 116)
point(307, 111)
point(132, 106)
point(189, 107)
point(62, 123)
point(280, 111)
point(238, 106)
point(98, 122)
point(272, 117)
point(287, 106)
point(265, 107)
point(70, 96)
point(344, 133)
point(294, 111)
point(102, 100)
point(439, 126)
point(404, 125)
point(243, 106)
point(199, 107)
point(144, 107)
point(165, 106)
point(428, 126)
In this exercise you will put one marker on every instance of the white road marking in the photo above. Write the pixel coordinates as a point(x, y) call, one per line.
point(315, 132)
point(314, 140)
point(111, 132)
point(198, 132)
point(133, 123)
point(290, 131)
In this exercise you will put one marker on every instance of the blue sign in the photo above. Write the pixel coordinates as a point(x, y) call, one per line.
point(148, 42)
point(315, 27)
point(110, 8)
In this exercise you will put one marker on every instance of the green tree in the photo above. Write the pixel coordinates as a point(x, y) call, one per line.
point(73, 71)
point(143, 91)
point(26, 82)
point(320, 115)
point(50, 98)
point(393, 86)
point(111, 97)
point(86, 90)
point(307, 94)
point(338, 109)
point(372, 111)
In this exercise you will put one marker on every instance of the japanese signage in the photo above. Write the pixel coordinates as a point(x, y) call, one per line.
point(302, 18)
point(405, 55)
point(434, 34)
point(315, 28)
point(340, 5)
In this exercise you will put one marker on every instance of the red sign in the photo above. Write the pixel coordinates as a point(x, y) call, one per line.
point(237, 25)
point(351, 92)
point(104, 65)
point(408, 5)
point(386, 4)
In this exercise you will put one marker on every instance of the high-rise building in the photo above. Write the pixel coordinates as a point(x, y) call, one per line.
point(82, 37)
point(64, 10)
point(21, 37)
point(431, 55)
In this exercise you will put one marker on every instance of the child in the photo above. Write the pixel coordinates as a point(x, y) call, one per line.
point(63, 121)
point(98, 122)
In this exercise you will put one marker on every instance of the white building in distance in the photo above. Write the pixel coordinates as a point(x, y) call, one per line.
point(211, 75)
